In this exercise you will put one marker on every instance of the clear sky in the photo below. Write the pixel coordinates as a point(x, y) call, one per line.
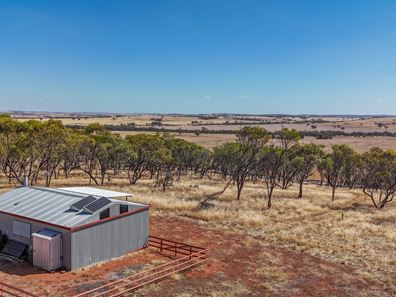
point(187, 56)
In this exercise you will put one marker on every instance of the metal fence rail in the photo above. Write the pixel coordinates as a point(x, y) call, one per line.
point(11, 291)
point(174, 248)
point(190, 256)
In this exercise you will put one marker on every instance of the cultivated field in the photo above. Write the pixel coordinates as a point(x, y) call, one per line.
point(300, 247)
point(360, 144)
point(233, 123)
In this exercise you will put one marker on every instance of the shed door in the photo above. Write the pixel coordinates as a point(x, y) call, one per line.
point(21, 228)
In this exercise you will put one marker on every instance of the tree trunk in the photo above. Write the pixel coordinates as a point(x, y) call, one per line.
point(269, 204)
point(384, 201)
point(300, 193)
point(333, 193)
point(239, 190)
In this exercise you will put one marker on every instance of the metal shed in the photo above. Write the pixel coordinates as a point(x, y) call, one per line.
point(93, 225)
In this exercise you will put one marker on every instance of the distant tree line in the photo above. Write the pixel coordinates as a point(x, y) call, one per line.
point(324, 134)
point(48, 150)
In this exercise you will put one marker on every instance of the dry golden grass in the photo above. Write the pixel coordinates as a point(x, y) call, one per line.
point(348, 231)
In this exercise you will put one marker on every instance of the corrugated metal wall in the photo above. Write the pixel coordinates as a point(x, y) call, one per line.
point(6, 228)
point(110, 239)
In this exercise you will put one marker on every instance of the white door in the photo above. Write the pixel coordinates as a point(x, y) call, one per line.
point(46, 254)
point(37, 256)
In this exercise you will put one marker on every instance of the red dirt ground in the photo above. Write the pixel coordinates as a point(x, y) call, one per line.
point(238, 265)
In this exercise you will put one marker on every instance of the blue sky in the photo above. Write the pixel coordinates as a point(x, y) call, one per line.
point(203, 56)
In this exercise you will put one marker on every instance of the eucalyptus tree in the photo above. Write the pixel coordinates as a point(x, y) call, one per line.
point(13, 148)
point(21, 142)
point(321, 165)
point(305, 161)
point(223, 159)
point(72, 150)
point(13, 159)
point(288, 169)
point(180, 151)
point(379, 176)
point(92, 147)
point(30, 148)
point(110, 153)
point(353, 171)
point(187, 157)
point(267, 168)
point(166, 163)
point(237, 159)
point(338, 166)
point(202, 160)
point(50, 138)
point(272, 157)
point(143, 154)
point(232, 161)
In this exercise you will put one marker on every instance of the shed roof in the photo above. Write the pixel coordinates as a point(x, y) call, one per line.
point(96, 192)
point(48, 205)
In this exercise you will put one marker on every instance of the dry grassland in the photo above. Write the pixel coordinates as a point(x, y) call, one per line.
point(348, 231)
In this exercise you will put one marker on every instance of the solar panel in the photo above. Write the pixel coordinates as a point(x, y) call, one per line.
point(14, 248)
point(77, 206)
point(48, 233)
point(97, 205)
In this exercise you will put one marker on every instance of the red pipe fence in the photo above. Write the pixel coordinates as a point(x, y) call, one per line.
point(11, 291)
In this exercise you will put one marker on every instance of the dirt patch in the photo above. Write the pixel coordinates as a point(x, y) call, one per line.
point(63, 283)
point(241, 265)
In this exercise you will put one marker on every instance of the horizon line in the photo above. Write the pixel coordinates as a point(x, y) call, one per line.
point(16, 111)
